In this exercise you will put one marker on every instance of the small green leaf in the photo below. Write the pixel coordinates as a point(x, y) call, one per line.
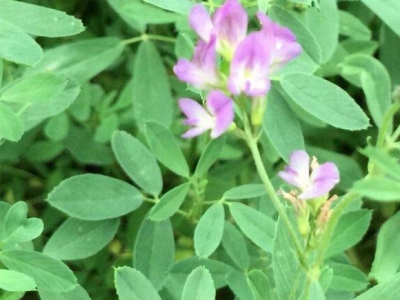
point(169, 203)
point(39, 88)
point(38, 20)
point(15, 281)
point(352, 27)
point(208, 232)
point(11, 125)
point(386, 10)
point(137, 161)
point(246, 191)
point(387, 259)
point(78, 293)
point(209, 155)
point(95, 197)
point(80, 60)
point(386, 290)
point(154, 251)
point(199, 285)
point(179, 6)
point(238, 283)
point(260, 285)
point(133, 285)
point(57, 127)
point(347, 278)
point(49, 274)
point(235, 245)
point(325, 101)
point(388, 164)
point(282, 126)
point(166, 149)
point(379, 188)
point(77, 239)
point(259, 228)
point(350, 229)
point(17, 46)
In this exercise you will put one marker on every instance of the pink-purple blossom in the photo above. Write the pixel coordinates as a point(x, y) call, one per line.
point(217, 116)
point(284, 46)
point(250, 66)
point(228, 24)
point(201, 71)
point(312, 185)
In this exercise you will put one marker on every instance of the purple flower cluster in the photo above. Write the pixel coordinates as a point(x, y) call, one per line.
point(252, 57)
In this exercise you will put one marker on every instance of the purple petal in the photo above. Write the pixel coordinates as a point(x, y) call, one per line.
point(200, 21)
point(197, 117)
point(250, 66)
point(285, 46)
point(230, 23)
point(192, 132)
point(323, 179)
point(221, 107)
point(189, 72)
point(297, 172)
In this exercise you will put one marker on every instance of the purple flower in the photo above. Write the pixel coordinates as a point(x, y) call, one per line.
point(228, 24)
point(218, 115)
point(201, 72)
point(321, 180)
point(250, 66)
point(285, 46)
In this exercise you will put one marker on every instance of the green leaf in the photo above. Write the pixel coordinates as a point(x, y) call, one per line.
point(80, 60)
point(378, 188)
point(387, 260)
point(350, 229)
point(48, 273)
point(386, 10)
point(260, 285)
point(389, 43)
point(95, 197)
point(325, 101)
point(352, 27)
point(37, 112)
point(17, 46)
point(15, 281)
point(133, 285)
point(169, 203)
point(209, 155)
point(282, 126)
point(316, 291)
point(57, 127)
point(208, 232)
point(38, 20)
point(178, 6)
point(199, 285)
point(239, 285)
point(388, 164)
point(11, 126)
point(323, 22)
point(19, 229)
point(166, 149)
point(151, 86)
point(39, 88)
point(303, 35)
point(347, 278)
point(259, 228)
point(386, 290)
point(137, 161)
point(108, 125)
point(219, 270)
point(289, 275)
point(235, 245)
point(78, 293)
point(77, 239)
point(246, 191)
point(154, 251)
point(367, 72)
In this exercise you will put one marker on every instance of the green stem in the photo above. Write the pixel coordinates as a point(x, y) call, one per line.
point(387, 120)
point(252, 143)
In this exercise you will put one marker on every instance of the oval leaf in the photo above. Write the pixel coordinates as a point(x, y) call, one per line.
point(246, 191)
point(199, 285)
point(11, 126)
point(15, 281)
point(95, 197)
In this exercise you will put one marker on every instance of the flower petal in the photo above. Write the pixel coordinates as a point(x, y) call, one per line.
point(323, 179)
point(193, 111)
point(230, 23)
point(200, 21)
point(221, 106)
point(192, 132)
point(188, 72)
point(297, 172)
point(250, 66)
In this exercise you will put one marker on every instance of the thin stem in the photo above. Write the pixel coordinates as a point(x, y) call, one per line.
point(252, 143)
point(387, 120)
